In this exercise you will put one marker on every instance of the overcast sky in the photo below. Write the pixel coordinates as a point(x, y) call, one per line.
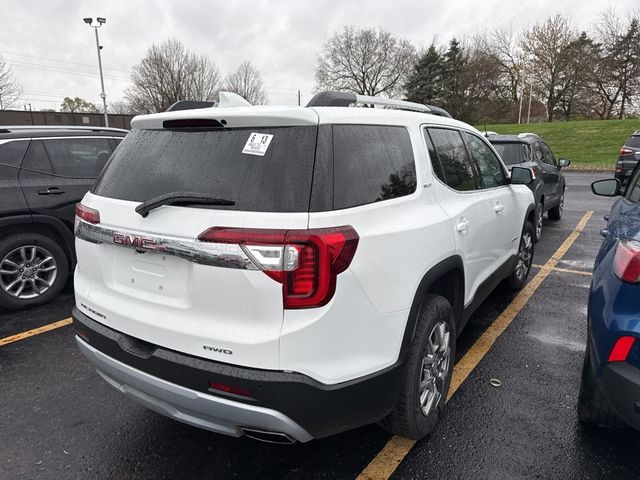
point(52, 52)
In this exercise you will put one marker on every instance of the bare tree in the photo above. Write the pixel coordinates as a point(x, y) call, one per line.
point(246, 81)
point(365, 61)
point(617, 73)
point(120, 107)
point(10, 89)
point(544, 45)
point(503, 46)
point(168, 73)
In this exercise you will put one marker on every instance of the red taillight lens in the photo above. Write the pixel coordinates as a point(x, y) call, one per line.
point(87, 214)
point(626, 262)
point(625, 151)
point(306, 262)
point(230, 389)
point(621, 349)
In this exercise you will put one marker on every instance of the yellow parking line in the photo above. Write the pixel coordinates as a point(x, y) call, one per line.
point(35, 331)
point(387, 460)
point(566, 270)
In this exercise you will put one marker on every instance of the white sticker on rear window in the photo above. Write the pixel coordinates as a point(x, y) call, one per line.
point(257, 144)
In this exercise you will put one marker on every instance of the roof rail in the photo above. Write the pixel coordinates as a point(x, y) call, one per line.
point(92, 128)
point(188, 105)
point(346, 99)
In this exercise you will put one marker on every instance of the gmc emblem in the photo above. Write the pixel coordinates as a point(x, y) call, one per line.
point(134, 241)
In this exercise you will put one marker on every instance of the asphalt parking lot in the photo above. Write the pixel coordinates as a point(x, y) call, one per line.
point(58, 419)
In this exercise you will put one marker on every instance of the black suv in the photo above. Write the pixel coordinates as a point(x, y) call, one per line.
point(529, 150)
point(629, 155)
point(44, 172)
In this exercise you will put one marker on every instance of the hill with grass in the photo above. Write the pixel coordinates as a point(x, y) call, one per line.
point(589, 144)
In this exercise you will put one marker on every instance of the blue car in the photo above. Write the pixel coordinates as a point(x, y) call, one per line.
point(610, 387)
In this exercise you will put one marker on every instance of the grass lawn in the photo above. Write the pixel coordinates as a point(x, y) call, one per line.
point(587, 143)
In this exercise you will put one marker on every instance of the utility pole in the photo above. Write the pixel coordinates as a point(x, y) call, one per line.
point(101, 21)
point(529, 112)
point(520, 109)
point(298, 97)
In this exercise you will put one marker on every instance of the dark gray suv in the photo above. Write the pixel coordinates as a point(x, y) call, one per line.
point(548, 186)
point(628, 158)
point(44, 172)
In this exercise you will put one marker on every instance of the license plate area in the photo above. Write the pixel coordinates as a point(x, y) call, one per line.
point(146, 273)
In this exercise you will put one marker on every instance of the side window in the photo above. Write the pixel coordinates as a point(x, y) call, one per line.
point(78, 157)
point(37, 158)
point(548, 155)
point(435, 161)
point(12, 153)
point(633, 190)
point(537, 152)
point(459, 170)
point(490, 167)
point(371, 163)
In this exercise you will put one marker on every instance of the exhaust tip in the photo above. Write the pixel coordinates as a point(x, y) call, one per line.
point(268, 437)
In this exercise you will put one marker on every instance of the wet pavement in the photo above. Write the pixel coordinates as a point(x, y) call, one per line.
point(58, 419)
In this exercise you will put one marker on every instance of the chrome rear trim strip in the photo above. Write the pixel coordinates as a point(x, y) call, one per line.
point(191, 249)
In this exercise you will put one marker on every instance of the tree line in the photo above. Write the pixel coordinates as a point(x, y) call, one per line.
point(494, 76)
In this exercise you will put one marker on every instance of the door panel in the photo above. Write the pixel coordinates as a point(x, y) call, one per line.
point(56, 173)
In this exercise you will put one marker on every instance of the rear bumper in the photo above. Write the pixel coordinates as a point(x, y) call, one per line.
point(177, 385)
point(620, 382)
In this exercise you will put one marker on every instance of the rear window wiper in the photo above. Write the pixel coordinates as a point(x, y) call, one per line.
point(180, 198)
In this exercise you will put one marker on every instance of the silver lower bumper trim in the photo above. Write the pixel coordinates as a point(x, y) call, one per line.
point(195, 408)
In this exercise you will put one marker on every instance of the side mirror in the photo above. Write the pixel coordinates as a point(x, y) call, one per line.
point(521, 176)
point(564, 162)
point(606, 188)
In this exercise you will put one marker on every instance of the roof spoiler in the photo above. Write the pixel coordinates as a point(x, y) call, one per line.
point(225, 100)
point(346, 99)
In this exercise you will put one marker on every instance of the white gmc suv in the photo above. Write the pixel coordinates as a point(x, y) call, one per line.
point(288, 273)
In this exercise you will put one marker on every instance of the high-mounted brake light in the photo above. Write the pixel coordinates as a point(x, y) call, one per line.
point(306, 262)
point(626, 262)
point(87, 214)
point(625, 151)
point(621, 349)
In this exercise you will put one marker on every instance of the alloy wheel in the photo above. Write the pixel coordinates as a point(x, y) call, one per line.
point(525, 255)
point(27, 272)
point(435, 366)
point(539, 222)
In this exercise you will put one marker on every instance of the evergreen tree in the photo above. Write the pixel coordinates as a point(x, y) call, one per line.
point(425, 83)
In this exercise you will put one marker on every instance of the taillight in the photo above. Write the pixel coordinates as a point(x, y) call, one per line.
point(87, 214)
point(621, 349)
point(625, 151)
point(626, 262)
point(306, 262)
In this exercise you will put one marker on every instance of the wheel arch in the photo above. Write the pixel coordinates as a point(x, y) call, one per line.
point(53, 228)
point(446, 278)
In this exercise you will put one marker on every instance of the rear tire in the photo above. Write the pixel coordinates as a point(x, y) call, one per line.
point(518, 277)
point(539, 221)
point(428, 370)
point(556, 212)
point(33, 270)
point(593, 407)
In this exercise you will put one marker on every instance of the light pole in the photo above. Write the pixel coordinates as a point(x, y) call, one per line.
point(101, 21)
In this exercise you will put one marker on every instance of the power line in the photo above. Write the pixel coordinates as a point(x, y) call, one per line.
point(58, 60)
point(51, 68)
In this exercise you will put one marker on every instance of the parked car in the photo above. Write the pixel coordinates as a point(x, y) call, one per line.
point(610, 388)
point(288, 273)
point(548, 186)
point(44, 172)
point(629, 155)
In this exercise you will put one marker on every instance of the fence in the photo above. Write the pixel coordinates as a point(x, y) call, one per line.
point(26, 117)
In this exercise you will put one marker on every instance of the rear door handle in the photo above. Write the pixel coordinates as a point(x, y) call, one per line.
point(498, 208)
point(463, 227)
point(51, 191)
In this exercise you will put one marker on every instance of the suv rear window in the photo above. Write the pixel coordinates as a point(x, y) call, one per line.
point(371, 163)
point(634, 141)
point(512, 153)
point(150, 163)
